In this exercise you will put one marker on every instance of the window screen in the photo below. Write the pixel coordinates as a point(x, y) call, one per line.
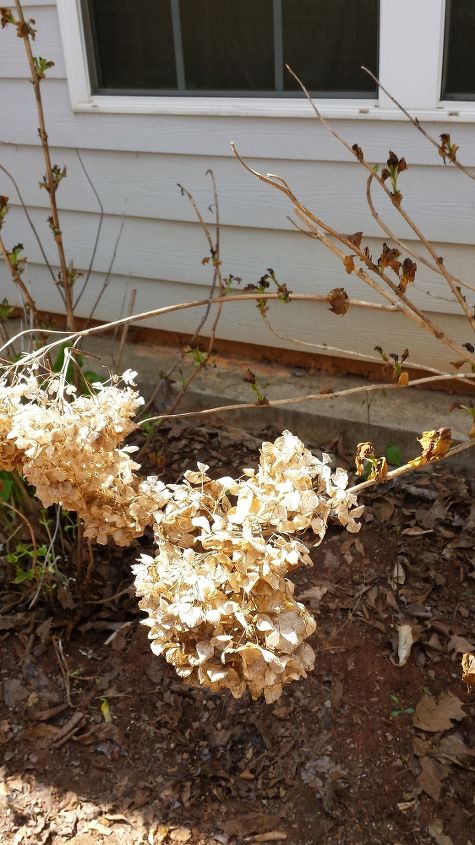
point(232, 47)
point(458, 78)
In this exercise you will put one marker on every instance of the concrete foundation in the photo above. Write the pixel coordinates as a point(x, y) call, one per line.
point(384, 416)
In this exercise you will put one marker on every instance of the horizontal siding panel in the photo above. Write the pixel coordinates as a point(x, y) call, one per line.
point(439, 199)
point(164, 249)
point(300, 139)
point(35, 3)
point(359, 330)
point(13, 61)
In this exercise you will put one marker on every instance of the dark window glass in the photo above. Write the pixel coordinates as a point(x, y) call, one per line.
point(327, 41)
point(458, 78)
point(233, 47)
point(133, 44)
point(228, 44)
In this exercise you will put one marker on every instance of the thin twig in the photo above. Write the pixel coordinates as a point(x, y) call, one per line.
point(63, 667)
point(347, 352)
point(415, 122)
point(28, 300)
point(30, 529)
point(159, 312)
point(98, 232)
point(407, 307)
point(357, 154)
point(30, 221)
point(107, 279)
point(404, 246)
point(217, 278)
point(123, 336)
point(317, 397)
point(50, 183)
point(217, 282)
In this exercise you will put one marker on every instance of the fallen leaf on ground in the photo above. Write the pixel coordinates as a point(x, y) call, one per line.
point(14, 692)
point(453, 746)
point(251, 823)
point(432, 715)
point(431, 777)
point(398, 577)
point(436, 830)
point(313, 594)
point(405, 643)
point(271, 836)
point(459, 644)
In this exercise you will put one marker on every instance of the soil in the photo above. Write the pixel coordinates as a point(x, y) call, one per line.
point(100, 741)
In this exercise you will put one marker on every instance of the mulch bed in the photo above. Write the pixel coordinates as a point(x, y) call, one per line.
point(100, 741)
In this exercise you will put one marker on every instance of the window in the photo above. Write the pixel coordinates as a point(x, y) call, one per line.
point(232, 47)
point(458, 78)
point(227, 57)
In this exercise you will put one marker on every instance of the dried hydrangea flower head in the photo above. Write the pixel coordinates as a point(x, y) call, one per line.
point(67, 447)
point(218, 604)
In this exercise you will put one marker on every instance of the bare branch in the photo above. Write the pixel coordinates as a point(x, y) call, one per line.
point(416, 123)
point(404, 246)
point(98, 232)
point(408, 308)
point(30, 221)
point(314, 397)
point(358, 154)
point(51, 183)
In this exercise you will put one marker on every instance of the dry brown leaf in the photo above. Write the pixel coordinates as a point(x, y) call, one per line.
point(338, 297)
point(383, 508)
point(14, 692)
point(460, 645)
point(364, 452)
point(405, 643)
point(415, 531)
point(432, 715)
point(349, 263)
point(398, 576)
point(251, 823)
point(468, 669)
point(435, 444)
point(436, 830)
point(271, 836)
point(431, 777)
point(313, 594)
point(453, 746)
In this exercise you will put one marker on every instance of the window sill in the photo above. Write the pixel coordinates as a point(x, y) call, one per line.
point(266, 107)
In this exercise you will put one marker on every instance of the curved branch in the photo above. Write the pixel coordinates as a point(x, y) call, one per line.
point(167, 309)
point(434, 267)
point(416, 123)
point(408, 308)
point(317, 397)
point(357, 153)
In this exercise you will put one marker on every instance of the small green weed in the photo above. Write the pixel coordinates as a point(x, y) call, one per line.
point(399, 709)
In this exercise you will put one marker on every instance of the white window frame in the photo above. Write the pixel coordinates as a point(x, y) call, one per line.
point(411, 44)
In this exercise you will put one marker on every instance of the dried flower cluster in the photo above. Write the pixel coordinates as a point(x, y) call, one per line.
point(219, 605)
point(67, 447)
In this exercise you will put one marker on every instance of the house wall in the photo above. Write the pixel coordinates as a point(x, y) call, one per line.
point(135, 162)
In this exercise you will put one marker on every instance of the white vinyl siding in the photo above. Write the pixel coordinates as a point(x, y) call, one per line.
point(136, 159)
